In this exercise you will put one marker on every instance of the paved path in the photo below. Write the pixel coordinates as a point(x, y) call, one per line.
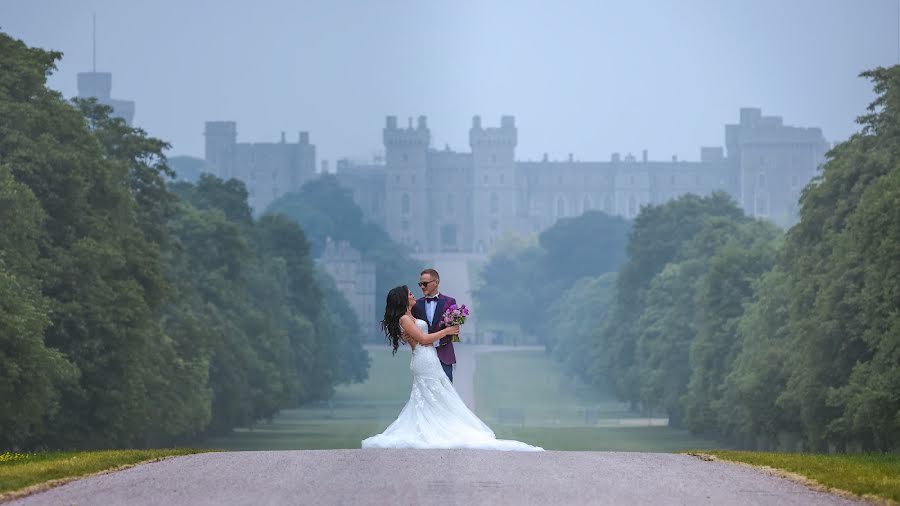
point(440, 477)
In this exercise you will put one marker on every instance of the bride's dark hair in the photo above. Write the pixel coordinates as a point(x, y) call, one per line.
point(394, 307)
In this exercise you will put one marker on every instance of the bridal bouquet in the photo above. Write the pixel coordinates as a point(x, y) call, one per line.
point(455, 315)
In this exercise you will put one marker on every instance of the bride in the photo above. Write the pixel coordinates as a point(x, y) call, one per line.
point(435, 416)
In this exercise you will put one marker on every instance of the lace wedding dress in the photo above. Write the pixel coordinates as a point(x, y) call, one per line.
point(435, 416)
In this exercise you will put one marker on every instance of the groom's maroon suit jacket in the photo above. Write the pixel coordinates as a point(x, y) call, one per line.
point(445, 351)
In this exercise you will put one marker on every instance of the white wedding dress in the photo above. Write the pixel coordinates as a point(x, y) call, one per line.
point(435, 416)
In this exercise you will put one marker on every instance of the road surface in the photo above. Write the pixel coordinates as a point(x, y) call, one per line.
point(439, 477)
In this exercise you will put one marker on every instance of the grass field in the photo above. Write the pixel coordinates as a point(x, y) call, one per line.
point(20, 471)
point(861, 474)
point(355, 412)
point(552, 409)
point(531, 382)
point(546, 408)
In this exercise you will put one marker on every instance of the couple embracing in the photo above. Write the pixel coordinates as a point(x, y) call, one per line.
point(435, 416)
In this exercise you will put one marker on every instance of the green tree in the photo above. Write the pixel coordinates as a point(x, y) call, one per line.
point(323, 209)
point(842, 268)
point(31, 374)
point(656, 237)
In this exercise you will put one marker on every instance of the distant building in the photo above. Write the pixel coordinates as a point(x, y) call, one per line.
point(355, 279)
point(443, 201)
point(269, 169)
point(99, 86)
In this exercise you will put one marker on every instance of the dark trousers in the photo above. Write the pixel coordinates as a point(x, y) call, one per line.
point(449, 370)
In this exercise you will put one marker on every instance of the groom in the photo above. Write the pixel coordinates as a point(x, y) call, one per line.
point(430, 308)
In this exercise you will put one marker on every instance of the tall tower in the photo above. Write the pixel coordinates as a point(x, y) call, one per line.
point(98, 85)
point(221, 138)
point(493, 180)
point(406, 163)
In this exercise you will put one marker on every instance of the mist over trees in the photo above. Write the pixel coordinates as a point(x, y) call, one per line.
point(733, 328)
point(325, 209)
point(135, 312)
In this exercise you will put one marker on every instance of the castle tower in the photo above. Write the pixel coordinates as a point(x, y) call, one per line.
point(406, 151)
point(221, 138)
point(775, 162)
point(494, 177)
point(98, 85)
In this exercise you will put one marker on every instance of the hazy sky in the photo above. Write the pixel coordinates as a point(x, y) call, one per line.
point(587, 77)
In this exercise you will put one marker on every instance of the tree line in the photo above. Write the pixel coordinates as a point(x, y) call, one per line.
point(135, 311)
point(731, 327)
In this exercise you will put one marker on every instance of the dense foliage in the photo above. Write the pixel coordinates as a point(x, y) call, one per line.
point(135, 312)
point(325, 209)
point(732, 328)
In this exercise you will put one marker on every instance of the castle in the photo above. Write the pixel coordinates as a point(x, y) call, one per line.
point(446, 201)
point(268, 169)
point(355, 279)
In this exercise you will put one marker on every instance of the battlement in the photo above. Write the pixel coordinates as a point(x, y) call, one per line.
point(506, 134)
point(409, 136)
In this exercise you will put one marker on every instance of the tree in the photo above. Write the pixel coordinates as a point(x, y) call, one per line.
point(323, 209)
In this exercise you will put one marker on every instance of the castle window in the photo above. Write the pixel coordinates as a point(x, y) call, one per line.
point(450, 204)
point(404, 225)
point(672, 179)
point(697, 180)
point(632, 180)
point(560, 207)
point(404, 204)
point(405, 157)
point(761, 180)
point(485, 179)
point(495, 203)
point(560, 180)
point(632, 206)
point(493, 158)
point(501, 178)
point(494, 225)
point(413, 179)
point(397, 179)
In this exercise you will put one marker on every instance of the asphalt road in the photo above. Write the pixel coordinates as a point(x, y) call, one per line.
point(440, 477)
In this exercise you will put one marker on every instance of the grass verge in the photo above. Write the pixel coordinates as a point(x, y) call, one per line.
point(872, 476)
point(23, 474)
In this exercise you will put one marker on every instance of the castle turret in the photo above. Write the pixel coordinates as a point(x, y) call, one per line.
point(494, 178)
point(406, 163)
point(221, 138)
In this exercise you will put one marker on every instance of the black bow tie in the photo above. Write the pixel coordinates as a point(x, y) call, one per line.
point(430, 299)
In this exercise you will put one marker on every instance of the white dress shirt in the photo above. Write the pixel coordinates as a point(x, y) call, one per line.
point(430, 307)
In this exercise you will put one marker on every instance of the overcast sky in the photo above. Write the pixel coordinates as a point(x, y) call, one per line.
point(585, 77)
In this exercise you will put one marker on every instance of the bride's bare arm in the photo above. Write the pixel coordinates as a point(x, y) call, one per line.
point(412, 330)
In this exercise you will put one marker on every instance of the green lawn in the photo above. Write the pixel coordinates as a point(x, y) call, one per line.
point(559, 413)
point(19, 471)
point(552, 406)
point(607, 439)
point(862, 474)
point(535, 384)
point(355, 413)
